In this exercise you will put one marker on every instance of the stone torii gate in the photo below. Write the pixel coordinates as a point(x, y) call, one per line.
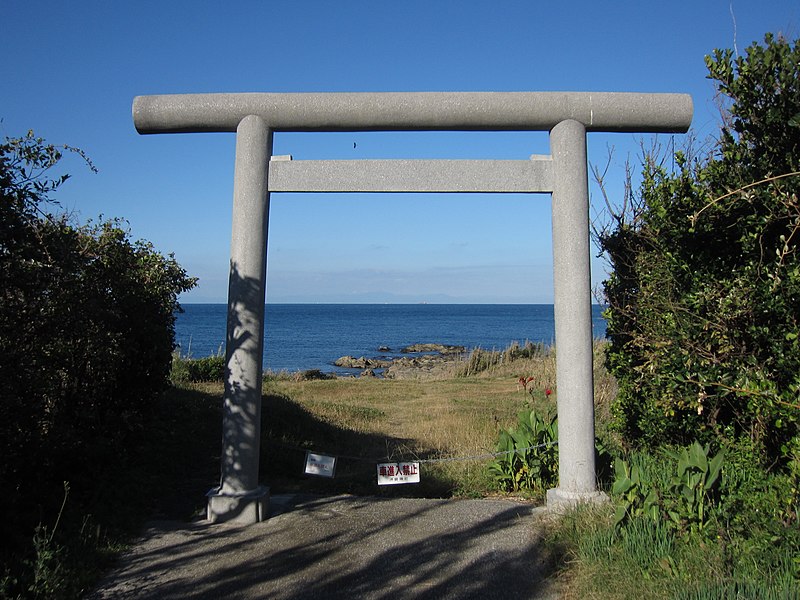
point(568, 116)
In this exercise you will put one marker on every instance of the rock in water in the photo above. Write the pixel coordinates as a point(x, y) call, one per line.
point(440, 348)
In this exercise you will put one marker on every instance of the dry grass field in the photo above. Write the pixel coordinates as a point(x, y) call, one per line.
point(364, 421)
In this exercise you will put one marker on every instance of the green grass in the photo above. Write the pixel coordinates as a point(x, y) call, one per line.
point(648, 560)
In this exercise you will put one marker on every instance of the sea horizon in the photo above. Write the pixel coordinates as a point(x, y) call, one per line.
point(312, 335)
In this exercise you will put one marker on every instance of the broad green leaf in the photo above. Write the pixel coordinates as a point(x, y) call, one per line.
point(621, 486)
point(714, 469)
point(683, 463)
point(699, 456)
point(620, 468)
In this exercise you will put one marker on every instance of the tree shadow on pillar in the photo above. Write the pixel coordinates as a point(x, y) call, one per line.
point(241, 420)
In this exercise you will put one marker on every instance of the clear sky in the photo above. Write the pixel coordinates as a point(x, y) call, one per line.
point(70, 71)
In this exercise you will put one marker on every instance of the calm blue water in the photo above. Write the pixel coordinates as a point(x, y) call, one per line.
point(312, 336)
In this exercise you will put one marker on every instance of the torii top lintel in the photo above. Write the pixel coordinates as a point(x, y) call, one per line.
point(398, 111)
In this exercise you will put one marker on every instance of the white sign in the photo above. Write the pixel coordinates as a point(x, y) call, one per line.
point(394, 473)
point(320, 465)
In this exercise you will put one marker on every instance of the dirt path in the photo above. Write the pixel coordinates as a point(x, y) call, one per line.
point(340, 547)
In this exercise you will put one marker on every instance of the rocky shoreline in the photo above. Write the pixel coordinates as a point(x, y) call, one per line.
point(421, 360)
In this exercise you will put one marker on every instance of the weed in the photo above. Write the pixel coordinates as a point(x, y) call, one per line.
point(479, 360)
point(49, 578)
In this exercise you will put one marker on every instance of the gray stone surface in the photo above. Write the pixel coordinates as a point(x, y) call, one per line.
point(243, 508)
point(380, 111)
point(351, 362)
point(239, 496)
point(573, 308)
point(559, 501)
point(346, 547)
point(464, 176)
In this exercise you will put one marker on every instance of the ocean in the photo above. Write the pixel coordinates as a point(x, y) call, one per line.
point(312, 336)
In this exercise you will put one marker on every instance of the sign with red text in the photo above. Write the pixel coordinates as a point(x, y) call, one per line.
point(394, 473)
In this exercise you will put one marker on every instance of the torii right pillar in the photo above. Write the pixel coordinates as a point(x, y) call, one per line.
point(573, 317)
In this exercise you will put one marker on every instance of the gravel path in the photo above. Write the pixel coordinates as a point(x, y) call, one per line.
point(340, 547)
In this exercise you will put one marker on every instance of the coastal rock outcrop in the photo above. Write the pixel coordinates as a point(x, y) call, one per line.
point(350, 362)
point(420, 367)
point(427, 360)
point(440, 348)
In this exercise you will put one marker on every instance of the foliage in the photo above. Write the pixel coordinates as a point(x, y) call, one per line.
point(529, 459)
point(758, 512)
point(649, 559)
point(86, 337)
point(704, 297)
point(682, 501)
point(693, 485)
point(480, 360)
point(688, 524)
point(704, 300)
point(208, 368)
point(635, 494)
point(314, 375)
point(529, 350)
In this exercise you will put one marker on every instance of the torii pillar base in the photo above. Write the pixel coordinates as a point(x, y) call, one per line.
point(241, 508)
point(560, 501)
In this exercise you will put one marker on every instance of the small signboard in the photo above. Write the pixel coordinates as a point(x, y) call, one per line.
point(394, 473)
point(320, 465)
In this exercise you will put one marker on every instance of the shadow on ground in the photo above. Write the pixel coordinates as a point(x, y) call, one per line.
point(330, 544)
point(181, 460)
point(288, 430)
point(347, 547)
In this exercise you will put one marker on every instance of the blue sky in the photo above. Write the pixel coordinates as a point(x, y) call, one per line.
point(71, 70)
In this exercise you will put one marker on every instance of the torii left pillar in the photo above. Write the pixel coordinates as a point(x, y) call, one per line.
point(239, 497)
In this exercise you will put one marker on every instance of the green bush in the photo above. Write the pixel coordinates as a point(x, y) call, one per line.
point(530, 350)
point(209, 368)
point(86, 338)
point(704, 302)
point(704, 297)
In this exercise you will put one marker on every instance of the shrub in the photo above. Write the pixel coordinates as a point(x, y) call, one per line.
point(86, 337)
point(479, 360)
point(209, 368)
point(704, 296)
point(683, 501)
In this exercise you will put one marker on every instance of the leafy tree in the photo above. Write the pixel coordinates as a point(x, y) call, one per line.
point(86, 337)
point(704, 297)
